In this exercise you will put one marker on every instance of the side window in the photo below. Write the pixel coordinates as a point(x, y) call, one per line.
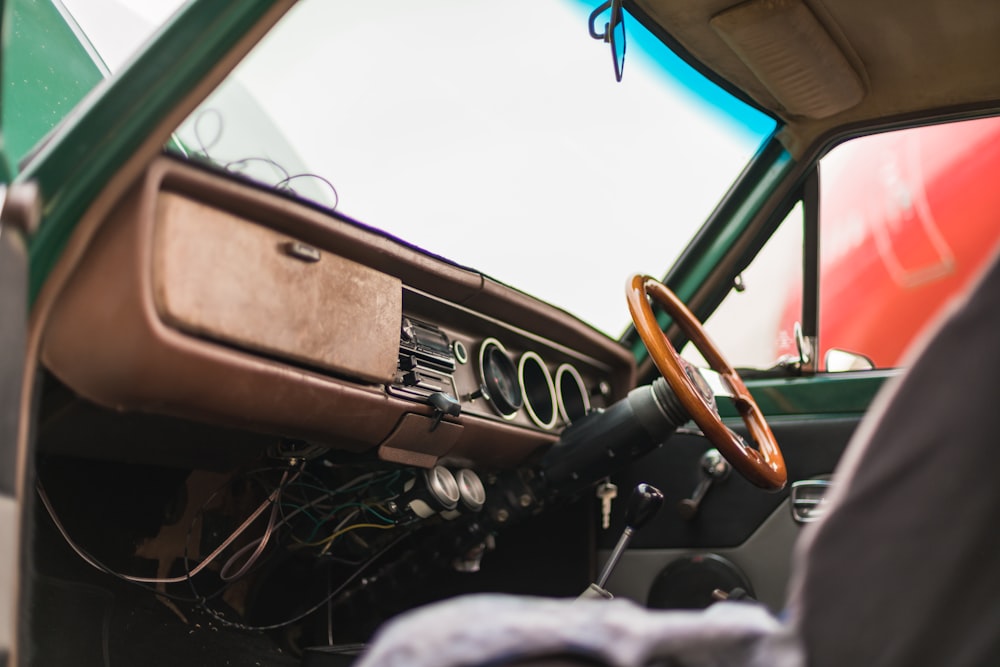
point(754, 324)
point(907, 219)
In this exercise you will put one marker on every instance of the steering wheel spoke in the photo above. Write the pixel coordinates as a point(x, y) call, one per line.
point(763, 466)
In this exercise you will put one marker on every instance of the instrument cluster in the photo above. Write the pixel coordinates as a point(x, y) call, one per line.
point(497, 372)
point(529, 385)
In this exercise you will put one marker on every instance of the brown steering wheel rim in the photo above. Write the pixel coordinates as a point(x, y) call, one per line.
point(764, 466)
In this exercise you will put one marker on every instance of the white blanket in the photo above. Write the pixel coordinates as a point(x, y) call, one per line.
point(480, 629)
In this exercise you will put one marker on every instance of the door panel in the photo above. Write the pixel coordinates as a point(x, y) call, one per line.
point(764, 558)
point(733, 508)
point(751, 527)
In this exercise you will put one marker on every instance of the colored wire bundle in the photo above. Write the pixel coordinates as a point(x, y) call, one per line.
point(299, 503)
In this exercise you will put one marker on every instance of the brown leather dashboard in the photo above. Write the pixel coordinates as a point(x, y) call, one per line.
point(211, 299)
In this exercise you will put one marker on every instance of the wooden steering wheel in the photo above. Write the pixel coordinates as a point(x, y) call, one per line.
point(764, 466)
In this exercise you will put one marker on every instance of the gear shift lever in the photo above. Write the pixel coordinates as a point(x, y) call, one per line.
point(643, 504)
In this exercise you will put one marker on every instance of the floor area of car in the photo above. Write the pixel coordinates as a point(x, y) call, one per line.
point(111, 510)
point(84, 617)
point(93, 625)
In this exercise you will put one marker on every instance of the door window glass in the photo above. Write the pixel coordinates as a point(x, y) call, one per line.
point(907, 219)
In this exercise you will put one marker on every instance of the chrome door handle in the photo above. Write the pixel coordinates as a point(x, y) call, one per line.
point(809, 500)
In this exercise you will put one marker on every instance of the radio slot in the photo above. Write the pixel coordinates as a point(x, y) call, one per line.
point(426, 362)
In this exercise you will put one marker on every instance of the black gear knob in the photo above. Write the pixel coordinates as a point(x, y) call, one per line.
point(643, 505)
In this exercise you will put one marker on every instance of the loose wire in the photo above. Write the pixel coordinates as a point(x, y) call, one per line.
point(354, 526)
point(334, 593)
point(286, 185)
point(261, 541)
point(274, 502)
point(237, 166)
point(360, 482)
point(96, 564)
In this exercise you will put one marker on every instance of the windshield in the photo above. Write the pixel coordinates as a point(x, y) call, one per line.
point(492, 134)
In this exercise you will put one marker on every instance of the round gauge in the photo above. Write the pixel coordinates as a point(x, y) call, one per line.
point(537, 389)
point(574, 402)
point(443, 487)
point(499, 378)
point(471, 489)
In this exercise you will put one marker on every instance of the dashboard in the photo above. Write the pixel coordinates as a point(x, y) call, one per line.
point(216, 300)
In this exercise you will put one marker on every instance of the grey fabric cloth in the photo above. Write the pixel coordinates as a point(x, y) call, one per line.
point(502, 629)
point(905, 568)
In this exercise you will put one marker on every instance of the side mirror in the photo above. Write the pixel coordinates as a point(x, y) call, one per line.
point(840, 361)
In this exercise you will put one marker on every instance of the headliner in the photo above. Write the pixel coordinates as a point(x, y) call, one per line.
point(827, 66)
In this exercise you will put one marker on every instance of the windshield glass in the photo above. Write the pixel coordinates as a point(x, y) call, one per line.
point(492, 134)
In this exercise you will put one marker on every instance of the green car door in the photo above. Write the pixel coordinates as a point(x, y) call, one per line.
point(59, 150)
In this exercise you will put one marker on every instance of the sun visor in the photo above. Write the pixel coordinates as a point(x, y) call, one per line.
point(793, 55)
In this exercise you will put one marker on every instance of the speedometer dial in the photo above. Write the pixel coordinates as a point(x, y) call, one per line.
point(499, 378)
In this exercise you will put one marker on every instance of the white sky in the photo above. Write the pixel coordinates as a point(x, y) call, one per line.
point(118, 28)
point(490, 133)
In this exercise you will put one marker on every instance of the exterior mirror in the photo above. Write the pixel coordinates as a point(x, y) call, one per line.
point(839, 361)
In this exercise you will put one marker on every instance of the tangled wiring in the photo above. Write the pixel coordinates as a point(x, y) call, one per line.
point(301, 513)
